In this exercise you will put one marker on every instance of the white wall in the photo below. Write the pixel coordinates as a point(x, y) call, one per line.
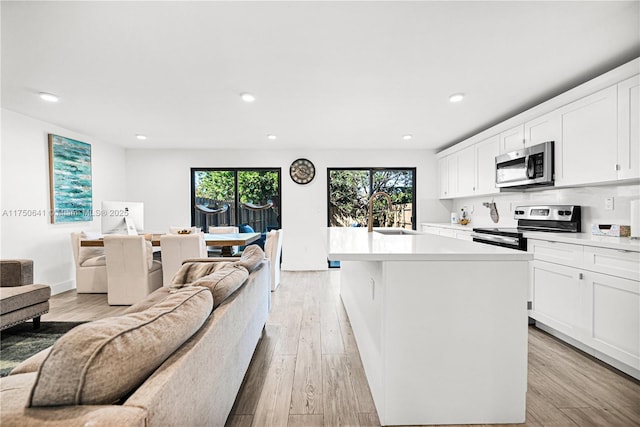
point(161, 179)
point(25, 185)
point(590, 198)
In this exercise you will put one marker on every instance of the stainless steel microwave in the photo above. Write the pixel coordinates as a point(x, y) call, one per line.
point(530, 166)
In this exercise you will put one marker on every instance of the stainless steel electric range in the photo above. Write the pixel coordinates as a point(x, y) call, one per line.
point(549, 218)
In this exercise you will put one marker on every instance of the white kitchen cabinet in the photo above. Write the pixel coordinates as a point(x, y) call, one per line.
point(592, 295)
point(512, 139)
point(485, 157)
point(629, 128)
point(463, 235)
point(443, 175)
point(613, 317)
point(589, 139)
point(542, 129)
point(557, 297)
point(466, 172)
point(452, 174)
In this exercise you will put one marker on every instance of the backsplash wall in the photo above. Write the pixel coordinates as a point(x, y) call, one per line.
point(591, 199)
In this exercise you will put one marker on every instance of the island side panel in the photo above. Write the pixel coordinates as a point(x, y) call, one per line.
point(454, 342)
point(361, 293)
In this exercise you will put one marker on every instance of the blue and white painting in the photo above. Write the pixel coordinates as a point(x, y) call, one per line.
point(71, 195)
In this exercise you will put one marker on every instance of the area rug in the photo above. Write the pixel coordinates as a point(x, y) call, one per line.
point(22, 341)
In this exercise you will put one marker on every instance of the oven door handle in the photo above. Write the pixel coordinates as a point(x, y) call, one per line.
point(494, 238)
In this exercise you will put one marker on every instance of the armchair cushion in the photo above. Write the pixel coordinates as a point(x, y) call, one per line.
point(102, 361)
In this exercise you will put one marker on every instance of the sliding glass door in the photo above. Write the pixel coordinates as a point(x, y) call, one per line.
point(349, 191)
point(237, 197)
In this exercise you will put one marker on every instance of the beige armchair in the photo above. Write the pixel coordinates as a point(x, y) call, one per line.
point(178, 247)
point(273, 251)
point(91, 267)
point(132, 274)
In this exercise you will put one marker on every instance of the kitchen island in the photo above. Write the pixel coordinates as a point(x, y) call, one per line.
point(440, 323)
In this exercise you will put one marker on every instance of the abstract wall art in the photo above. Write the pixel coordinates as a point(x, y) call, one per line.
point(70, 180)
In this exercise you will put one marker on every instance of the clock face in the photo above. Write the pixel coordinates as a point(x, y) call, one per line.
point(302, 171)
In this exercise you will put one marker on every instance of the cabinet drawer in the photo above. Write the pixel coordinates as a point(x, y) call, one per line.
point(464, 235)
point(618, 263)
point(559, 253)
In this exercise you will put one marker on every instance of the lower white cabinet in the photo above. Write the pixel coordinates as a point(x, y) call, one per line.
point(558, 297)
point(612, 318)
point(592, 297)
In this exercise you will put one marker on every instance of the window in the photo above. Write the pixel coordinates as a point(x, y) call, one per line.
point(223, 197)
point(349, 191)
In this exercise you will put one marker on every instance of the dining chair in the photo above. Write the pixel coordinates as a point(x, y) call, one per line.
point(273, 251)
point(132, 273)
point(176, 248)
point(215, 251)
point(91, 266)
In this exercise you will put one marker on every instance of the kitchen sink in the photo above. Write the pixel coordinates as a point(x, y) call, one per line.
point(396, 231)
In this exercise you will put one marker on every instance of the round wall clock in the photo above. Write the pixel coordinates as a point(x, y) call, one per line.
point(302, 171)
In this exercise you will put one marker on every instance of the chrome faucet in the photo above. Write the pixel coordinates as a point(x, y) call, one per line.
point(373, 197)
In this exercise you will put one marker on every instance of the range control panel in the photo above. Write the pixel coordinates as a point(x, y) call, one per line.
point(548, 213)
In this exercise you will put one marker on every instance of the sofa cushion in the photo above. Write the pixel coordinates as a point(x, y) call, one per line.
point(31, 364)
point(251, 257)
point(189, 272)
point(223, 282)
point(102, 361)
point(18, 297)
point(150, 300)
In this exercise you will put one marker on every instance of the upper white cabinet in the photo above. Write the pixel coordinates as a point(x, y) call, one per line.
point(470, 171)
point(466, 172)
point(629, 128)
point(512, 139)
point(542, 129)
point(485, 156)
point(595, 129)
point(588, 152)
point(443, 175)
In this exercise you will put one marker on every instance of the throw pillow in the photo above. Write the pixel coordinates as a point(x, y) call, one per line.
point(251, 258)
point(223, 282)
point(100, 362)
point(191, 271)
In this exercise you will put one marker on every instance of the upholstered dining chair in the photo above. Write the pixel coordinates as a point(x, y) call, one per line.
point(91, 266)
point(273, 251)
point(132, 273)
point(178, 247)
point(217, 250)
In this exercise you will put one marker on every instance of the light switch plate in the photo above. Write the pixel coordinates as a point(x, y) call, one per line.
point(608, 203)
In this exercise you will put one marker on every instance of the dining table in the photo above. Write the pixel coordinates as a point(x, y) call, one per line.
point(224, 240)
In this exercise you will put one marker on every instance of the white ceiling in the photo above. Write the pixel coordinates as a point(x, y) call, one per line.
point(325, 74)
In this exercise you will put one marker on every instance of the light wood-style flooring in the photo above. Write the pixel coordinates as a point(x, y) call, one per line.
point(307, 371)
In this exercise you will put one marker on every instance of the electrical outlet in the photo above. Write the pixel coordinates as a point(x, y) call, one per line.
point(608, 203)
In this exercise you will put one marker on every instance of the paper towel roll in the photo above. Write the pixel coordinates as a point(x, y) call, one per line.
point(635, 219)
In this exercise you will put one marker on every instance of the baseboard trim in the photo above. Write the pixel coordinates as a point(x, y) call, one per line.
point(63, 287)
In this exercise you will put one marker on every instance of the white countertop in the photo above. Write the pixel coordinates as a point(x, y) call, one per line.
point(468, 227)
point(356, 244)
point(587, 239)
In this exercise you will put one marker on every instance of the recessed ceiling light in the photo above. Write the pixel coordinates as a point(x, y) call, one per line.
point(271, 137)
point(141, 137)
point(407, 137)
point(456, 97)
point(247, 97)
point(49, 97)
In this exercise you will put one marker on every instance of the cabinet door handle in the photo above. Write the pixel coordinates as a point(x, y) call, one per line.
point(580, 276)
